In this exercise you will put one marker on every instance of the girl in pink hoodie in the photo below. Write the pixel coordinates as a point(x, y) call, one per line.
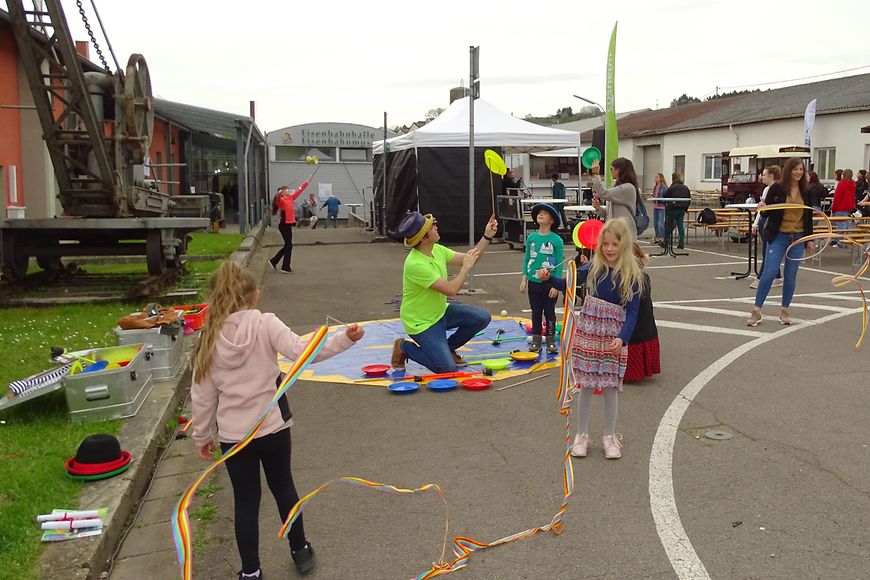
point(235, 365)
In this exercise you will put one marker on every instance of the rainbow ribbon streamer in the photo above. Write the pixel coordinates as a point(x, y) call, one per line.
point(463, 547)
point(180, 520)
point(831, 234)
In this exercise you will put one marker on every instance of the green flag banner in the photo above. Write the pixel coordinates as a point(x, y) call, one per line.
point(611, 137)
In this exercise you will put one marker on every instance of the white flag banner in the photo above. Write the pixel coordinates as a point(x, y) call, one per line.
point(809, 121)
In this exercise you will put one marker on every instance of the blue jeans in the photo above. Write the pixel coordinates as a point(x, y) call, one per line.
point(433, 348)
point(773, 256)
point(659, 222)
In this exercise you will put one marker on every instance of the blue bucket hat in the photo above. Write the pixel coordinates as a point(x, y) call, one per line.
point(537, 208)
point(414, 226)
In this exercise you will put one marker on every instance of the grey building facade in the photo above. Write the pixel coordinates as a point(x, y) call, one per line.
point(344, 151)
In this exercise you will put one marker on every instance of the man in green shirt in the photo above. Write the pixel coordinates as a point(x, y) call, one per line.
point(425, 313)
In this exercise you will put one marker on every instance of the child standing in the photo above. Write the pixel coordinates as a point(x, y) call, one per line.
point(605, 323)
point(544, 249)
point(235, 365)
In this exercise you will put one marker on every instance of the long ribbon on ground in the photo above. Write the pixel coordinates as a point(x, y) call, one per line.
point(180, 520)
point(463, 547)
point(831, 234)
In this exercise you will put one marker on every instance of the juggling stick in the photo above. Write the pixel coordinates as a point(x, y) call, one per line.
point(522, 382)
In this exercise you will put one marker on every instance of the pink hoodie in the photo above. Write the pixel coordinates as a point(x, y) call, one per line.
point(240, 382)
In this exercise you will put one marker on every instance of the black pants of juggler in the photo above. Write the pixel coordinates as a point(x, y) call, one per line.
point(542, 307)
point(273, 451)
point(287, 251)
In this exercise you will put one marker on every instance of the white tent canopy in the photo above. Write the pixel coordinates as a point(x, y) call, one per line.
point(492, 128)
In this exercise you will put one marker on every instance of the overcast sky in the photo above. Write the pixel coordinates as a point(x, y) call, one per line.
point(349, 61)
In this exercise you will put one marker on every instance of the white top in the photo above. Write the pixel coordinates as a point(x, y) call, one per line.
point(544, 200)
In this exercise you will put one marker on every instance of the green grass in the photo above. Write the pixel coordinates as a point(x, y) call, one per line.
point(221, 244)
point(37, 436)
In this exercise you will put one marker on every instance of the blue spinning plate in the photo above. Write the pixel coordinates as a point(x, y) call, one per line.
point(442, 385)
point(403, 388)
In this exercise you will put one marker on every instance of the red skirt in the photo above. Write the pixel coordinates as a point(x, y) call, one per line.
point(644, 360)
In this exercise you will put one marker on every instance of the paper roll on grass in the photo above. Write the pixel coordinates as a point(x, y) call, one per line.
point(590, 156)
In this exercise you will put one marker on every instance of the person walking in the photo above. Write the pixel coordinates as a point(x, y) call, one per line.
point(676, 214)
point(659, 188)
point(783, 227)
point(622, 198)
point(559, 193)
point(614, 281)
point(844, 202)
point(331, 204)
point(235, 370)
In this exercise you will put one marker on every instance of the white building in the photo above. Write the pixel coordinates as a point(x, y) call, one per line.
point(344, 151)
point(690, 139)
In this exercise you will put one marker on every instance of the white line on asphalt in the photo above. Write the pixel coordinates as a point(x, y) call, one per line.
point(692, 265)
point(838, 294)
point(705, 328)
point(819, 307)
point(739, 313)
point(663, 502)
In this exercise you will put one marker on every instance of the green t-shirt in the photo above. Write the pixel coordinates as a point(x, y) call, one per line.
point(421, 306)
point(540, 250)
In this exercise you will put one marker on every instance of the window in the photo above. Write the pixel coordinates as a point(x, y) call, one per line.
point(680, 165)
point(297, 153)
point(355, 154)
point(826, 162)
point(712, 167)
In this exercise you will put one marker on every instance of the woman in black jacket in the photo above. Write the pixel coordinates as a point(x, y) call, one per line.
point(783, 227)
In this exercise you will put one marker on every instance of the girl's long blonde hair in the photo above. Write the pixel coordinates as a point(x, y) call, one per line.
point(627, 269)
point(231, 288)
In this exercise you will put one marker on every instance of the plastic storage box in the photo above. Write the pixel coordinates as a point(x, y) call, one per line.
point(167, 346)
point(195, 320)
point(117, 391)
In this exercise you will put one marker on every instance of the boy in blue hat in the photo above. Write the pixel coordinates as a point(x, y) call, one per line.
point(544, 249)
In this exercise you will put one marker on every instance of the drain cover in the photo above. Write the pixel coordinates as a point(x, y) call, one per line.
point(718, 435)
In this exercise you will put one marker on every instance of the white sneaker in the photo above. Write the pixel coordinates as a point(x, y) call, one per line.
point(754, 284)
point(613, 446)
point(580, 446)
point(777, 282)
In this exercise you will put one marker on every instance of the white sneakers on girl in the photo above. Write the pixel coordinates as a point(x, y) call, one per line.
point(613, 446)
point(580, 446)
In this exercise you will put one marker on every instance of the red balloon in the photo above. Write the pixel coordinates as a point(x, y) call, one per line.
point(589, 232)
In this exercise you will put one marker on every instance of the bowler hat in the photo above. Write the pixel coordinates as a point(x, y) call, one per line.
point(98, 457)
point(539, 207)
point(414, 226)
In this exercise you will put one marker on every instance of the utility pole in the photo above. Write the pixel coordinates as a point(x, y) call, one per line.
point(473, 93)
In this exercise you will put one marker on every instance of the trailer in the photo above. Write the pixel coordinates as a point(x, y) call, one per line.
point(97, 127)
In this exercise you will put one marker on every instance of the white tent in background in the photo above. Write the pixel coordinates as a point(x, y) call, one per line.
point(427, 169)
point(492, 128)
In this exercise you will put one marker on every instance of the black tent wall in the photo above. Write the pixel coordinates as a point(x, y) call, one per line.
point(442, 188)
point(401, 193)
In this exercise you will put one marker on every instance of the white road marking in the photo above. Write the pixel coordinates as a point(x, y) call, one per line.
point(837, 294)
point(693, 265)
point(706, 328)
point(663, 503)
point(702, 309)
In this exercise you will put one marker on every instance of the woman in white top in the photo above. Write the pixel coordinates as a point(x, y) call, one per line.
point(621, 199)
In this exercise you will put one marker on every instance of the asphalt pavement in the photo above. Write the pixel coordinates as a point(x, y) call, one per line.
point(785, 496)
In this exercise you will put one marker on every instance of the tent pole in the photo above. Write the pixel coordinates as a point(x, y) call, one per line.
point(471, 78)
point(384, 153)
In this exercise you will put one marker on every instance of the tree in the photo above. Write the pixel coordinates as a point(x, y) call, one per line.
point(684, 99)
point(432, 113)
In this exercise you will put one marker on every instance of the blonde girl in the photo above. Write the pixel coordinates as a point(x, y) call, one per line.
point(235, 373)
point(614, 281)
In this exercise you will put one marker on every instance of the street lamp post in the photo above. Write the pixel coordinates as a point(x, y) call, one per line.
point(600, 108)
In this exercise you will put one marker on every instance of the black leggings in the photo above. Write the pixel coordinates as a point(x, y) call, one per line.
point(287, 251)
point(273, 451)
point(542, 306)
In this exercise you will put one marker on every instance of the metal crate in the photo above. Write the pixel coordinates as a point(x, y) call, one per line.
point(167, 346)
point(113, 393)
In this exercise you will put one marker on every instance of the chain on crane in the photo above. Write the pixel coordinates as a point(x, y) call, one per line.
point(93, 38)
